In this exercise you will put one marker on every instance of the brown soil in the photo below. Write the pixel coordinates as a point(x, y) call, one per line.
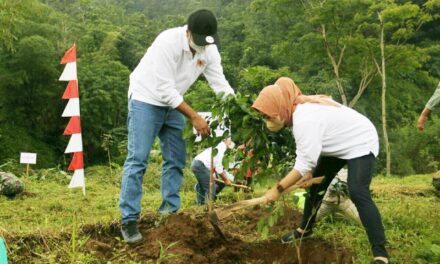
point(197, 242)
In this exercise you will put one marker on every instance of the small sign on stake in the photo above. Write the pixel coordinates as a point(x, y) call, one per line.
point(28, 158)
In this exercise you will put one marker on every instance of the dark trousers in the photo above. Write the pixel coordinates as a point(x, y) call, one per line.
point(360, 172)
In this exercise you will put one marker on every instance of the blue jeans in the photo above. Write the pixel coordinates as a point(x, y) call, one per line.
point(145, 122)
point(202, 187)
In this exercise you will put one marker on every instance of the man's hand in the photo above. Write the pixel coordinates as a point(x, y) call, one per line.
point(422, 118)
point(197, 121)
point(225, 178)
point(200, 125)
point(421, 121)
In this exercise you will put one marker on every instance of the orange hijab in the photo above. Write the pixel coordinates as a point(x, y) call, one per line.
point(279, 99)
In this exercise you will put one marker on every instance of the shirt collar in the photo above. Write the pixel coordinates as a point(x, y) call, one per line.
point(184, 39)
point(185, 44)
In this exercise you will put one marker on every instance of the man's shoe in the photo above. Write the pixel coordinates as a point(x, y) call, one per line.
point(294, 235)
point(130, 232)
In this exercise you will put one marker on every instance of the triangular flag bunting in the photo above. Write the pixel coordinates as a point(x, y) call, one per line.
point(77, 161)
point(70, 55)
point(71, 90)
point(75, 144)
point(78, 180)
point(69, 72)
point(74, 126)
point(72, 108)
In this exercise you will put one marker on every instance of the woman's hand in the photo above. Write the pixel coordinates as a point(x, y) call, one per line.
point(305, 182)
point(272, 195)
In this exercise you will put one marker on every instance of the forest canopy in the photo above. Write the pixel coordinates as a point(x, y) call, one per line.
point(328, 47)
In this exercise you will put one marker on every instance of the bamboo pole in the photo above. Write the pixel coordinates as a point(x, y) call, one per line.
point(211, 182)
point(235, 185)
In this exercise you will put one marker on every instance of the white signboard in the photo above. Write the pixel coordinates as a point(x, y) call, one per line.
point(28, 158)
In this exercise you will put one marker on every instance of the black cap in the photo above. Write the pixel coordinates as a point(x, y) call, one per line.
point(203, 26)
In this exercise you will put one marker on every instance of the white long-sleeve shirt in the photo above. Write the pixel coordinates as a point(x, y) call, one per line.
point(205, 158)
point(168, 69)
point(340, 132)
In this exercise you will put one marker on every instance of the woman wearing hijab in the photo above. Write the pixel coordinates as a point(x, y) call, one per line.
point(327, 138)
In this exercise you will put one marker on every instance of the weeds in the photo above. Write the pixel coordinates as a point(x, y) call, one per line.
point(11, 165)
point(430, 252)
point(264, 224)
point(165, 254)
point(73, 239)
point(107, 143)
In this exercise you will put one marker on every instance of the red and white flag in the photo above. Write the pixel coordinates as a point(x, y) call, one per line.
point(73, 128)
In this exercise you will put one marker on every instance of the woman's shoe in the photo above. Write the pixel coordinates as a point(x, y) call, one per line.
point(379, 261)
point(294, 235)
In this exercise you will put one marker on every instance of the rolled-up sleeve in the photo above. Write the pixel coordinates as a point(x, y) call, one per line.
point(308, 139)
point(434, 101)
point(165, 71)
point(214, 73)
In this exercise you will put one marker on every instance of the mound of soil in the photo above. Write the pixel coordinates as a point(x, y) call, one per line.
point(190, 238)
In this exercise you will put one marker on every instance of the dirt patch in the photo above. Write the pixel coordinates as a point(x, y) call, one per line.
point(189, 238)
point(246, 222)
point(311, 251)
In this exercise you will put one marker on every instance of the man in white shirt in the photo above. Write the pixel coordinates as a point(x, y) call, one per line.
point(431, 105)
point(201, 166)
point(170, 66)
point(327, 138)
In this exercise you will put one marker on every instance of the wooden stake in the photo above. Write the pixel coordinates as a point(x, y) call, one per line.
point(27, 170)
point(211, 182)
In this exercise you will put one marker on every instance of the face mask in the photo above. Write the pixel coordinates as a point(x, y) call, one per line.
point(197, 48)
point(275, 125)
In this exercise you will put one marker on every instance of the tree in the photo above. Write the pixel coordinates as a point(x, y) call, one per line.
point(396, 24)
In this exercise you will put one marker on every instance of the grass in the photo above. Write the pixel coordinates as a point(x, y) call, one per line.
point(165, 254)
point(409, 206)
point(410, 214)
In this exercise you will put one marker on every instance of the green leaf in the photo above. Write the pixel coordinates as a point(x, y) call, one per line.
point(270, 221)
point(265, 232)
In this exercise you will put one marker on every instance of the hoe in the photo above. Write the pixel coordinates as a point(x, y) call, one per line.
point(221, 213)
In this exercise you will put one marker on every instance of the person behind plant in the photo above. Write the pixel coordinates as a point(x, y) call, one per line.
point(201, 166)
point(433, 102)
point(250, 173)
point(327, 138)
point(10, 185)
point(337, 199)
point(156, 107)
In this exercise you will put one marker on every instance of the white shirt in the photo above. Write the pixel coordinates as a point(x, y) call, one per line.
point(168, 69)
point(340, 132)
point(205, 157)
